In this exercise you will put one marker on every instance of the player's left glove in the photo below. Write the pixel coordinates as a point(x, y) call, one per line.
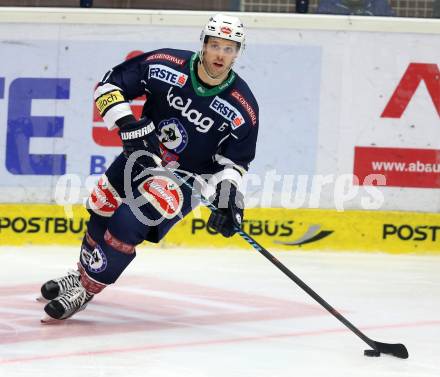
point(229, 213)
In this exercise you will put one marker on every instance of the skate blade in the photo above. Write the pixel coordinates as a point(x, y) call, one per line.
point(47, 320)
point(42, 300)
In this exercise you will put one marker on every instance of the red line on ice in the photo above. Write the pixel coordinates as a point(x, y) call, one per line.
point(206, 343)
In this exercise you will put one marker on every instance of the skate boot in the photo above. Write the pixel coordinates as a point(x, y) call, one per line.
point(56, 287)
point(67, 304)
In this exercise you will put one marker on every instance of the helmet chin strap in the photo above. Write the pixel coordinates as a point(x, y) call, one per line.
point(202, 64)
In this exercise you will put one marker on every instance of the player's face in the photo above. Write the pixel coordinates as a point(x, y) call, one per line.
point(218, 56)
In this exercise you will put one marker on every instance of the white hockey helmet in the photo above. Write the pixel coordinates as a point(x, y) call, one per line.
point(225, 27)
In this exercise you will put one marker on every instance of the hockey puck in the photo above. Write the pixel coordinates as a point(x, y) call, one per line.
point(371, 353)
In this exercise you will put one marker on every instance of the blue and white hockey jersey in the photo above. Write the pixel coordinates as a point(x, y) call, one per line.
point(206, 130)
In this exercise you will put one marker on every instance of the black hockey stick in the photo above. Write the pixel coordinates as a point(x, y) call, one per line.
point(397, 350)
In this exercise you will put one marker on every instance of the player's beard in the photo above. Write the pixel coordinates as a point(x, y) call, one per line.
point(219, 77)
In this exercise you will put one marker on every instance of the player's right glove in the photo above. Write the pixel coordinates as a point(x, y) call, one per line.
point(139, 135)
point(228, 216)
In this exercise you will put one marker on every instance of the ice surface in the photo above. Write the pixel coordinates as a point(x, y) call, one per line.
point(223, 313)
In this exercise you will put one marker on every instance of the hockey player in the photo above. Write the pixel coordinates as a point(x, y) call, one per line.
point(200, 115)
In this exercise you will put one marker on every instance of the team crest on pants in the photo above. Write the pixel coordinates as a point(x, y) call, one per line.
point(163, 194)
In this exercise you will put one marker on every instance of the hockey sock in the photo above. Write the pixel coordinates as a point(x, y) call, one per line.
point(102, 262)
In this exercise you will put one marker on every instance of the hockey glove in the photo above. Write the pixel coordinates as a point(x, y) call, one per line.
point(229, 213)
point(139, 135)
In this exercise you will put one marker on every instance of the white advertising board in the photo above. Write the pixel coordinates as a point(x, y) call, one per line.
point(322, 96)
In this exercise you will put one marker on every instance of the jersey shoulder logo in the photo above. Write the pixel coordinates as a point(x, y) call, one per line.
point(227, 111)
point(167, 57)
point(247, 107)
point(167, 74)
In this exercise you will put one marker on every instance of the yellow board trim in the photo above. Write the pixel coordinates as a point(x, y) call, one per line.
point(274, 228)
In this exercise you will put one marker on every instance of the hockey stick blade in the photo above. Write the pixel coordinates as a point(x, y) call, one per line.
point(397, 350)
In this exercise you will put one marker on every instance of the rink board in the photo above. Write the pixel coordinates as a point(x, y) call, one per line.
point(274, 228)
point(346, 104)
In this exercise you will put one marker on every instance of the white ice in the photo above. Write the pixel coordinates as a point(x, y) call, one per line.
point(224, 313)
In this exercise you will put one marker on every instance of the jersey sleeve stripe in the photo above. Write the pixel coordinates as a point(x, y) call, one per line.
point(116, 113)
point(229, 174)
point(222, 160)
point(108, 99)
point(111, 104)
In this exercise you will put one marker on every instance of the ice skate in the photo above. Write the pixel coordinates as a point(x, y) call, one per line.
point(67, 304)
point(56, 287)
